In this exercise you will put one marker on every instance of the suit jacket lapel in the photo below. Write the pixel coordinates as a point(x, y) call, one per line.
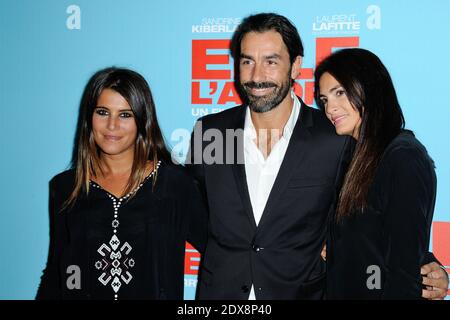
point(239, 168)
point(294, 154)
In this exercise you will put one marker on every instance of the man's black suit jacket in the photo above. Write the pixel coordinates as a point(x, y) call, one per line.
point(280, 256)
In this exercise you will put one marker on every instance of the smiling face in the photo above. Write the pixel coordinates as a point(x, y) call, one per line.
point(113, 124)
point(265, 70)
point(338, 108)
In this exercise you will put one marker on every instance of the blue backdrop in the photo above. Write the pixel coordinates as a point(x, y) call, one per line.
point(49, 49)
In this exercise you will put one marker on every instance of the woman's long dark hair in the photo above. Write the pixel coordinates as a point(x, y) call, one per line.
point(149, 144)
point(370, 90)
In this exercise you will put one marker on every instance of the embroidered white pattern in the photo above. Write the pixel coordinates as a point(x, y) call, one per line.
point(115, 263)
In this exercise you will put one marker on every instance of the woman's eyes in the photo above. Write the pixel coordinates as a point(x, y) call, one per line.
point(126, 115)
point(340, 92)
point(101, 112)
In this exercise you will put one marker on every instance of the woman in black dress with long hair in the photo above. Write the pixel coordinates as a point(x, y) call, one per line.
point(119, 218)
point(379, 237)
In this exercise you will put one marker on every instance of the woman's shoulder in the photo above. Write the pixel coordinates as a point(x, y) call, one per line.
point(405, 147)
point(62, 180)
point(175, 173)
point(174, 181)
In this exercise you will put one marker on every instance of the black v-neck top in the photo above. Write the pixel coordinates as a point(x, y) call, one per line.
point(378, 253)
point(125, 248)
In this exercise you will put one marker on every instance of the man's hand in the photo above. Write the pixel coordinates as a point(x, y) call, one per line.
point(436, 280)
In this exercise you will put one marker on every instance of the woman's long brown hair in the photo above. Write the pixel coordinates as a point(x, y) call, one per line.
point(370, 90)
point(149, 144)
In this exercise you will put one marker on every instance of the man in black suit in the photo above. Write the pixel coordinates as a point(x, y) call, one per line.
point(270, 171)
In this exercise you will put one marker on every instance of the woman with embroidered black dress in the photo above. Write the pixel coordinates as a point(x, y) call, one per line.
point(379, 237)
point(120, 217)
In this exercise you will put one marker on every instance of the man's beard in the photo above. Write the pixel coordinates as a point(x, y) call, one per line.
point(261, 104)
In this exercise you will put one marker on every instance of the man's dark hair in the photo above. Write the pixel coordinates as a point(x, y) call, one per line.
point(265, 22)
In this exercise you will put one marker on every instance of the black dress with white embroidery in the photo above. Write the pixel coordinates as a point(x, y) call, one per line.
point(124, 248)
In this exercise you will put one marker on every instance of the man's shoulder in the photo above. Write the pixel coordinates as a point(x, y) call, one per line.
point(318, 116)
point(223, 118)
point(322, 126)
